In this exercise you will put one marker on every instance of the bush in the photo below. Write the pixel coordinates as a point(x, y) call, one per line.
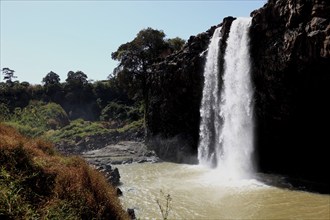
point(4, 112)
point(76, 130)
point(119, 112)
point(38, 117)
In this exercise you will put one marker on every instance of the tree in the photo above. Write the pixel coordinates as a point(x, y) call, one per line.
point(79, 100)
point(52, 87)
point(8, 74)
point(176, 43)
point(136, 58)
point(51, 79)
point(76, 78)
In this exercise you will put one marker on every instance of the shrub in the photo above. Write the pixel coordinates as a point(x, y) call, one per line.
point(119, 112)
point(76, 130)
point(38, 117)
point(4, 112)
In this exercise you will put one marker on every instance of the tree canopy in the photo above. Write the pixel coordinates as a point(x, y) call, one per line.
point(137, 57)
point(76, 78)
point(8, 74)
point(51, 79)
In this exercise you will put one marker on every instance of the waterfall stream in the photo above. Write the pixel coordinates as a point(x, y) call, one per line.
point(226, 129)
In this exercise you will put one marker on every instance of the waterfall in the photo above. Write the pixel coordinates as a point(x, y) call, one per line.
point(226, 128)
point(210, 108)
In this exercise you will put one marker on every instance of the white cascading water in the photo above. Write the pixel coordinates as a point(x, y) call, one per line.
point(210, 106)
point(226, 129)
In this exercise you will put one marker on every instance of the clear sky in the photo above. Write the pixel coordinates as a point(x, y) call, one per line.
point(42, 36)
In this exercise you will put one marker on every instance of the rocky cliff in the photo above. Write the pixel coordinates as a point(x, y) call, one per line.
point(290, 49)
point(290, 52)
point(175, 89)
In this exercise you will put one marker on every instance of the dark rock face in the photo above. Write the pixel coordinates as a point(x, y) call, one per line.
point(290, 48)
point(175, 94)
point(175, 89)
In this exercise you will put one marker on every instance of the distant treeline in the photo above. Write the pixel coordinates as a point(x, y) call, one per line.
point(77, 96)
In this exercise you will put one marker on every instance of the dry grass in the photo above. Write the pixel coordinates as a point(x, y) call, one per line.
point(37, 182)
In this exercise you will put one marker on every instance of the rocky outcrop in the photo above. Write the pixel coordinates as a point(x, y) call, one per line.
point(121, 153)
point(290, 48)
point(111, 174)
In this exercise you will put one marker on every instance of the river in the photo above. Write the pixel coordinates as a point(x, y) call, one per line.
point(200, 193)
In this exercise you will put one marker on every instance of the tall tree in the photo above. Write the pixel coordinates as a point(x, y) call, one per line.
point(8, 74)
point(79, 98)
point(135, 60)
point(51, 79)
point(52, 87)
point(76, 78)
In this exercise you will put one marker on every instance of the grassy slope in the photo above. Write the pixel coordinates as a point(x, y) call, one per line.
point(79, 129)
point(36, 182)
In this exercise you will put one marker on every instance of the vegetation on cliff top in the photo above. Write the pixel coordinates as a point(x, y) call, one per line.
point(37, 182)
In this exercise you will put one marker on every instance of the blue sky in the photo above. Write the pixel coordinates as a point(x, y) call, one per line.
point(42, 36)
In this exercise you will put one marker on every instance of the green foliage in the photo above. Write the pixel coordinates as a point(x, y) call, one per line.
point(12, 201)
point(77, 130)
point(21, 181)
point(51, 79)
point(4, 112)
point(119, 112)
point(14, 94)
point(176, 43)
point(79, 99)
point(135, 60)
point(38, 117)
point(135, 125)
point(76, 78)
point(53, 90)
point(27, 129)
point(8, 74)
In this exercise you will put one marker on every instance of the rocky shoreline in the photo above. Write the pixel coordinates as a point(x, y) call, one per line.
point(123, 152)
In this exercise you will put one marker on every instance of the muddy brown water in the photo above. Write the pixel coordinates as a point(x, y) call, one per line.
point(200, 193)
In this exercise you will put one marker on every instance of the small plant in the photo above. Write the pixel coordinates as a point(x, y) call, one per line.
point(165, 210)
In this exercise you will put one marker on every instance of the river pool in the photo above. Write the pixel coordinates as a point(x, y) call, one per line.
point(201, 193)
